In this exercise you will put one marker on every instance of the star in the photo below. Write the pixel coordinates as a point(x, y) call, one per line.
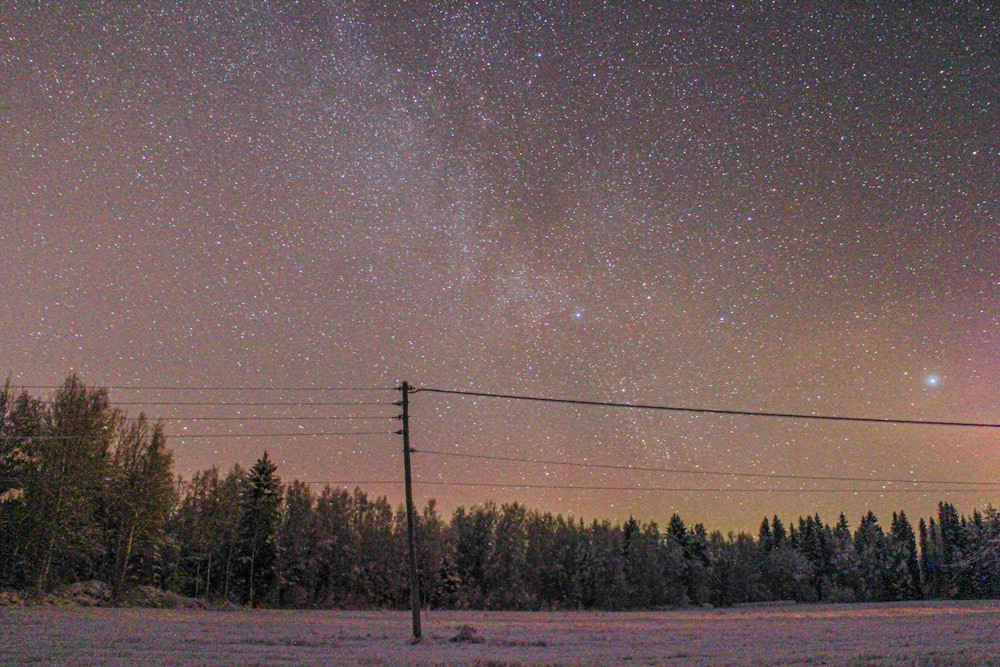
point(714, 205)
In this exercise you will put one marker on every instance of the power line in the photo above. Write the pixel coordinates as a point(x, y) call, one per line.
point(267, 419)
point(825, 478)
point(358, 483)
point(654, 489)
point(292, 404)
point(676, 489)
point(186, 436)
point(213, 388)
point(711, 411)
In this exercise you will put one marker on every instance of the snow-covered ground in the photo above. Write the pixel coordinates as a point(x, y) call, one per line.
point(924, 634)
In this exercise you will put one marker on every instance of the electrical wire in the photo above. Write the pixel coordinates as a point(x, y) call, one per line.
point(270, 419)
point(292, 404)
point(675, 489)
point(711, 411)
point(187, 436)
point(684, 471)
point(565, 401)
point(372, 482)
point(216, 388)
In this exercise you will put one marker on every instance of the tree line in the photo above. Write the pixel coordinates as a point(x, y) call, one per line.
point(87, 492)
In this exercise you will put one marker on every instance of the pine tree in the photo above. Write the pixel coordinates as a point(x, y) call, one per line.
point(257, 548)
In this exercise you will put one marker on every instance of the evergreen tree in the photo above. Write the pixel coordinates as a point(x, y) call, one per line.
point(815, 541)
point(932, 560)
point(978, 576)
point(736, 575)
point(647, 572)
point(778, 534)
point(902, 564)
point(952, 551)
point(679, 539)
point(845, 578)
point(871, 546)
point(257, 548)
point(699, 565)
point(985, 554)
point(693, 547)
point(337, 547)
point(554, 545)
point(606, 569)
point(297, 545)
point(630, 533)
point(204, 530)
point(639, 564)
point(765, 539)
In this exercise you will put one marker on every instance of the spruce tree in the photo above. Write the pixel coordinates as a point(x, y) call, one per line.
point(872, 549)
point(765, 539)
point(257, 547)
point(844, 563)
point(297, 542)
point(903, 566)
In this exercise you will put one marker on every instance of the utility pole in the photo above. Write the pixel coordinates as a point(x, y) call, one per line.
point(410, 520)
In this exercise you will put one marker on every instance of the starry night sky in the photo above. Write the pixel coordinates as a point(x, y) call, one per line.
point(746, 207)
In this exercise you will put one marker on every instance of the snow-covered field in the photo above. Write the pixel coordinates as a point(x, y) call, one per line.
point(910, 634)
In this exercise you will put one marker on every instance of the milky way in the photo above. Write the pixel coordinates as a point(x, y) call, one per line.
point(747, 207)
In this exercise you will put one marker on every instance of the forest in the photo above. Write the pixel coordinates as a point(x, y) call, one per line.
point(89, 493)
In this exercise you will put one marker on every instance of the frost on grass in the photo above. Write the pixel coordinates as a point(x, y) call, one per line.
point(928, 634)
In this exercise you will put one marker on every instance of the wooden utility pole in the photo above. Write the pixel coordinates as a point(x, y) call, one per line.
point(410, 519)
